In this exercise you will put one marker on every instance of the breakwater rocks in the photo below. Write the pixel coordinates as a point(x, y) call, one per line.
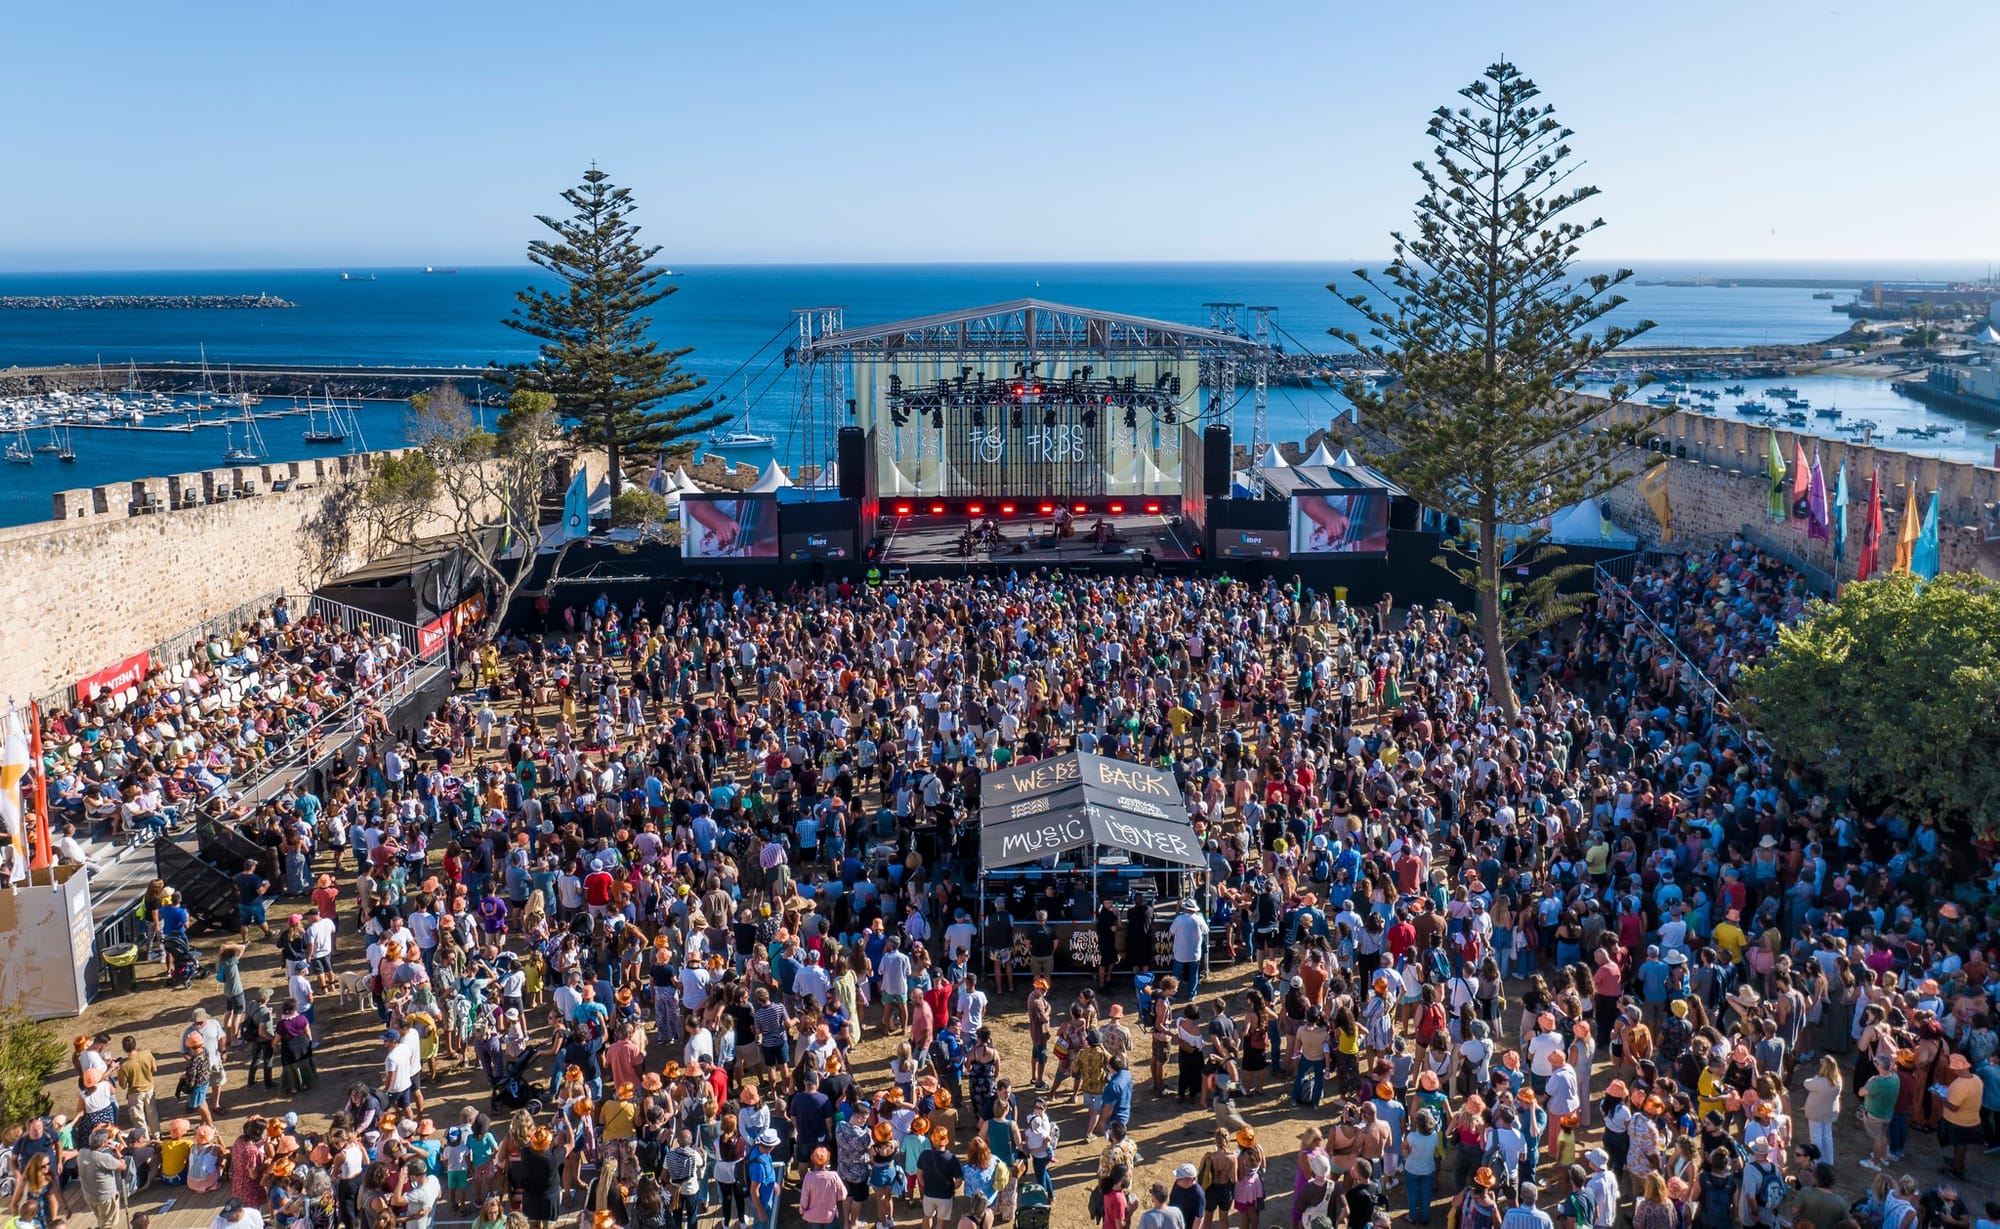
point(137, 302)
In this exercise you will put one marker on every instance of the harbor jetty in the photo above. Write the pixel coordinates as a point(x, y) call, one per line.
point(138, 302)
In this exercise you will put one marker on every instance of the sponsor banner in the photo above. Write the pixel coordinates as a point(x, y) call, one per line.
point(128, 673)
point(433, 635)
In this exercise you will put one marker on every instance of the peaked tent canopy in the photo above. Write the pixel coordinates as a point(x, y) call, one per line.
point(1320, 456)
point(1272, 458)
point(770, 480)
point(1345, 458)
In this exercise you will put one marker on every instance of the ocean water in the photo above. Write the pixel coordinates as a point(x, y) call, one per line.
point(731, 315)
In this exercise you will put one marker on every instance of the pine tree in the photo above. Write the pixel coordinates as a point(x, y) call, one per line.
point(1486, 338)
point(609, 378)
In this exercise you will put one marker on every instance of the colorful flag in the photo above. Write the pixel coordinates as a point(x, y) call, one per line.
point(657, 484)
point(1816, 522)
point(13, 777)
point(1774, 465)
point(1871, 531)
point(1801, 481)
point(38, 793)
point(1653, 486)
point(576, 507)
point(1840, 515)
point(1924, 557)
point(1907, 532)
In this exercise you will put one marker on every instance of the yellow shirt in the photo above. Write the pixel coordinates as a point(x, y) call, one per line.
point(1093, 1069)
point(1961, 1101)
point(1731, 939)
point(618, 1119)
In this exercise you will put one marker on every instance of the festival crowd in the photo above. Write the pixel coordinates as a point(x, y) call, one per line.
point(658, 873)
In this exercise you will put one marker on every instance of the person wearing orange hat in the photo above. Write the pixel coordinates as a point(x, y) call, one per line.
point(1960, 1095)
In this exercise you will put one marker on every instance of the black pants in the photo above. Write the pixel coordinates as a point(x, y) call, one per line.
point(1189, 1088)
point(348, 1193)
point(735, 1196)
point(262, 1054)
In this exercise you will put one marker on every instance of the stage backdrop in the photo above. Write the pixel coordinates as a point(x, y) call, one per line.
point(992, 457)
point(46, 936)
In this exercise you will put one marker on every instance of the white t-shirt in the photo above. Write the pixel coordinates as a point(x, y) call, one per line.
point(401, 1064)
point(423, 1197)
point(320, 936)
point(248, 1218)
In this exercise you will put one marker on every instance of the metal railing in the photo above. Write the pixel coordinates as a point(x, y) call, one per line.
point(362, 622)
point(335, 727)
point(1818, 577)
point(1693, 677)
point(127, 925)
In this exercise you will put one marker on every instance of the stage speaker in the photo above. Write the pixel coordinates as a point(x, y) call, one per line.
point(852, 458)
point(1215, 447)
point(1402, 513)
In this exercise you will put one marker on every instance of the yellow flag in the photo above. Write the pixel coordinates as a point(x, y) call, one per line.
point(1653, 486)
point(1906, 534)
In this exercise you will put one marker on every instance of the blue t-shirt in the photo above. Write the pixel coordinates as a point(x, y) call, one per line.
point(173, 920)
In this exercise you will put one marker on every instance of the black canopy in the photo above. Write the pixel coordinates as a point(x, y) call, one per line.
point(1032, 811)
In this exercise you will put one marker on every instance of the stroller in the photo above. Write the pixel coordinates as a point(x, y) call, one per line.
point(1031, 1211)
point(515, 1090)
point(184, 963)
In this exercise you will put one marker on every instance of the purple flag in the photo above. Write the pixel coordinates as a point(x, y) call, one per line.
point(1817, 524)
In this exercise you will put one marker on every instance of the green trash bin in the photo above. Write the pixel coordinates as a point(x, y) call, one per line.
point(121, 966)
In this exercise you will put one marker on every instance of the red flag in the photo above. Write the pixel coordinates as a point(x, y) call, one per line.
point(1871, 531)
point(37, 812)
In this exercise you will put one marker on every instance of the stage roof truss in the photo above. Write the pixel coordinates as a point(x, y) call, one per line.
point(1024, 327)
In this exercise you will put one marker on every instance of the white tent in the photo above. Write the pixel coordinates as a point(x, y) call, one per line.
point(1320, 456)
point(1582, 524)
point(770, 480)
point(1345, 458)
point(684, 483)
point(1272, 458)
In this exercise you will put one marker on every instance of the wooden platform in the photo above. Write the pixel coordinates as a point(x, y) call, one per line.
point(934, 540)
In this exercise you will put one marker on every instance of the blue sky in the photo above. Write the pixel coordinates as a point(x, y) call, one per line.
point(229, 134)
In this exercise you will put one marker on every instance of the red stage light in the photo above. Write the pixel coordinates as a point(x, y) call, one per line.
point(1153, 508)
point(1047, 509)
point(1019, 390)
point(904, 509)
point(1080, 509)
point(1006, 509)
point(1117, 508)
point(937, 509)
point(975, 509)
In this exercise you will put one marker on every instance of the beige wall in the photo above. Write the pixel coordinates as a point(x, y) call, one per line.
point(101, 584)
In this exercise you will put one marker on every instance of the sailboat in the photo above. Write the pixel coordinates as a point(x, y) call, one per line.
point(51, 445)
point(334, 431)
point(252, 447)
point(66, 448)
point(18, 452)
point(741, 436)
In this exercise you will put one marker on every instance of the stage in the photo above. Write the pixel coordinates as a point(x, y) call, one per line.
point(928, 542)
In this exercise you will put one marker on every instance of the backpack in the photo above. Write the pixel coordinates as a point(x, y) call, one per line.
point(1097, 1202)
point(1771, 1188)
point(1718, 1201)
point(1322, 871)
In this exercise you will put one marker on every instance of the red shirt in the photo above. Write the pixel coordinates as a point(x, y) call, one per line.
point(1607, 980)
point(1400, 938)
point(597, 888)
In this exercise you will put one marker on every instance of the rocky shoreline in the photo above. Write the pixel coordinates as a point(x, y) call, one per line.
point(138, 302)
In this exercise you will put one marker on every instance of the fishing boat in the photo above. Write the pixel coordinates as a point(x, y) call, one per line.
point(1751, 408)
point(357, 277)
point(1822, 294)
point(1734, 390)
point(1677, 386)
point(1663, 399)
point(1794, 403)
point(1828, 411)
point(1784, 392)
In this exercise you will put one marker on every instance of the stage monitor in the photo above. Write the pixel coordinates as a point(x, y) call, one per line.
point(833, 544)
point(1340, 523)
point(1251, 544)
point(721, 527)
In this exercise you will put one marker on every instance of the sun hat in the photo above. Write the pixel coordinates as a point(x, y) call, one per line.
point(1183, 1170)
point(768, 1139)
point(1246, 1138)
point(1484, 1177)
point(884, 1132)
